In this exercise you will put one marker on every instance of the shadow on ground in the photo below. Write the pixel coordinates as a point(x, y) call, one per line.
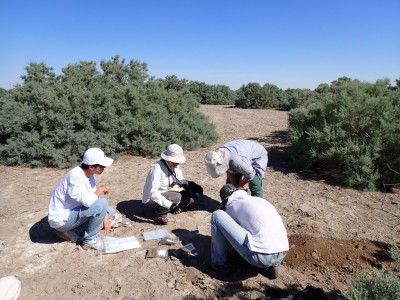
point(279, 158)
point(136, 211)
point(42, 233)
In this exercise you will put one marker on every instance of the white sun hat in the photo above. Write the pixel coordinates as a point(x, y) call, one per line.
point(174, 153)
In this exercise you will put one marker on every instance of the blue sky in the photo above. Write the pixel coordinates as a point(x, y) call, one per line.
point(289, 43)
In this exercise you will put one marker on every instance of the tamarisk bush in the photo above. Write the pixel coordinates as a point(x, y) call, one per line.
point(49, 120)
point(353, 132)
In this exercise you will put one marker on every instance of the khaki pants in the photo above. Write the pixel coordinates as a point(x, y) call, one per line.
point(176, 197)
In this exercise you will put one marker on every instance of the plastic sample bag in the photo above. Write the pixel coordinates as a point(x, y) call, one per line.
point(155, 234)
point(118, 244)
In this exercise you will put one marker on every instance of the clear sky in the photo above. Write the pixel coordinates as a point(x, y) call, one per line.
point(289, 43)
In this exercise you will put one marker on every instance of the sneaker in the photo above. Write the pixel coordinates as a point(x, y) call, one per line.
point(96, 244)
point(272, 272)
point(69, 236)
point(115, 220)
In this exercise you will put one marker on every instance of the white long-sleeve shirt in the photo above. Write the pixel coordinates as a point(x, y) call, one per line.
point(75, 189)
point(158, 181)
point(265, 230)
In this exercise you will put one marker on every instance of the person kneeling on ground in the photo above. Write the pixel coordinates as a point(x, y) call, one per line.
point(166, 190)
point(76, 208)
point(252, 226)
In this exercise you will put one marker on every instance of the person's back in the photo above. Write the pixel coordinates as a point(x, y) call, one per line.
point(243, 161)
point(73, 190)
point(252, 226)
point(260, 218)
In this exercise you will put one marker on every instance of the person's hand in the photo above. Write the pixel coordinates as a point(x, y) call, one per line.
point(174, 209)
point(102, 190)
point(107, 224)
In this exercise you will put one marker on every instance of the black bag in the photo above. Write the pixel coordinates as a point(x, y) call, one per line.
point(192, 189)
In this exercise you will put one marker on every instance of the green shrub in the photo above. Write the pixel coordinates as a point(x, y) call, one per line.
point(353, 132)
point(253, 95)
point(380, 285)
point(212, 94)
point(49, 120)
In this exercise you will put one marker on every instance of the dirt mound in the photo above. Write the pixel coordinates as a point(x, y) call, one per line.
point(311, 253)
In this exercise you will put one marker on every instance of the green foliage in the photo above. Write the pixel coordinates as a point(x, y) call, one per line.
point(353, 131)
point(50, 120)
point(3, 92)
point(204, 93)
point(294, 98)
point(395, 254)
point(253, 95)
point(380, 285)
point(250, 96)
point(212, 94)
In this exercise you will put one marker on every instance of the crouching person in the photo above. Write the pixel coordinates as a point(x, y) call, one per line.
point(252, 226)
point(76, 208)
point(166, 190)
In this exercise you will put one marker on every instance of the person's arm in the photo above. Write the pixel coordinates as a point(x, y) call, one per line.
point(102, 190)
point(78, 191)
point(243, 166)
point(243, 182)
point(179, 175)
point(156, 177)
point(231, 178)
point(107, 224)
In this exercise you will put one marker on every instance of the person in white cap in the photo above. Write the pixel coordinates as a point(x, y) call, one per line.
point(166, 190)
point(76, 207)
point(243, 161)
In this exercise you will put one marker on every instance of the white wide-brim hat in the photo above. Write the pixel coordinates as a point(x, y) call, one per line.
point(217, 162)
point(174, 153)
point(96, 156)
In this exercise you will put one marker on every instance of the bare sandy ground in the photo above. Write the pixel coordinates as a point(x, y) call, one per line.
point(334, 232)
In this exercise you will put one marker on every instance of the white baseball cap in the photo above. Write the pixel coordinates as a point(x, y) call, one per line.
point(96, 156)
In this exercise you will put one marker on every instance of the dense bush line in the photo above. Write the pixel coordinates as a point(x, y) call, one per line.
point(253, 95)
point(204, 93)
point(48, 120)
point(353, 131)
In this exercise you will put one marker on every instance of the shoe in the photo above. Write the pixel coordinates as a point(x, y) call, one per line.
point(160, 220)
point(96, 244)
point(272, 272)
point(69, 236)
point(115, 220)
